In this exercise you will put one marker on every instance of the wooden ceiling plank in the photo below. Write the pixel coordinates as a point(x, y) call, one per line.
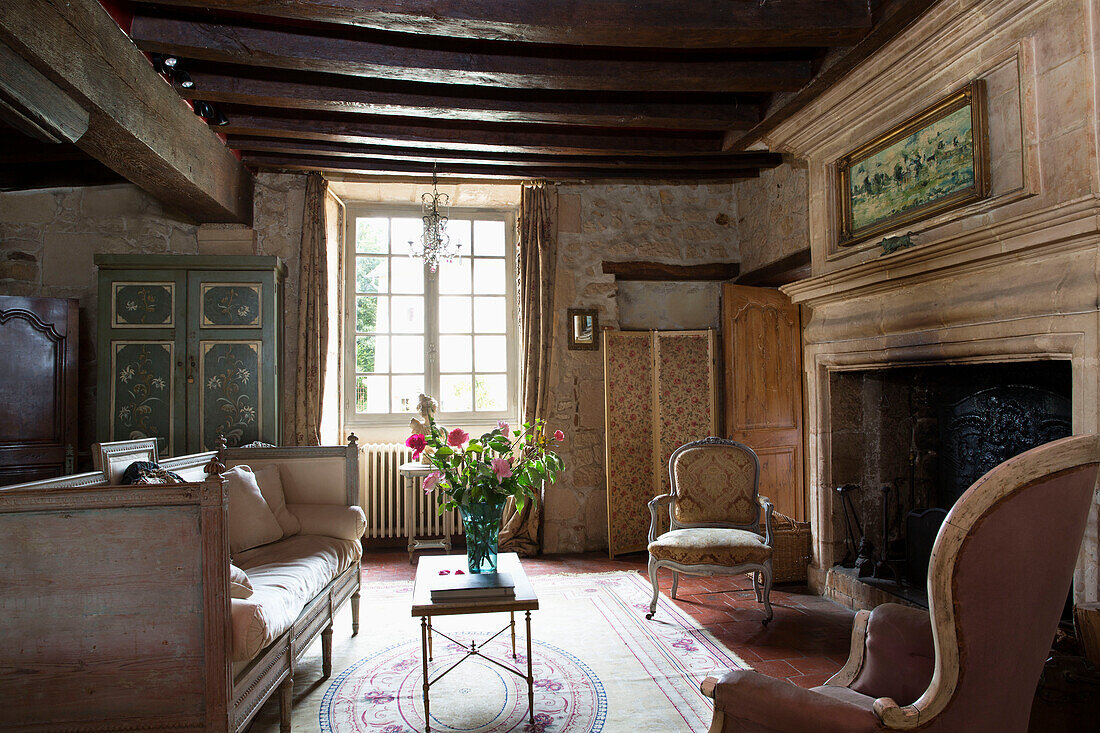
point(371, 165)
point(330, 98)
point(465, 137)
point(302, 50)
point(634, 23)
point(660, 271)
point(138, 126)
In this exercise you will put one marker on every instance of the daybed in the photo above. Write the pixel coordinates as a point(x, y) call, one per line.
point(116, 599)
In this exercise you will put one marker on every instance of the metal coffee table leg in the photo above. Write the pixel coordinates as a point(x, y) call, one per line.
point(424, 657)
point(530, 673)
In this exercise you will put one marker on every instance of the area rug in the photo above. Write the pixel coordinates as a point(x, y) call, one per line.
point(599, 665)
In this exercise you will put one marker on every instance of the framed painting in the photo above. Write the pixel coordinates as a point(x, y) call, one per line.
point(933, 162)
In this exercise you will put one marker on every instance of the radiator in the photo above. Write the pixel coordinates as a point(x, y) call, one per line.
point(384, 495)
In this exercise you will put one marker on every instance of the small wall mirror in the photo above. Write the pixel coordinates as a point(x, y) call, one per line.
point(584, 329)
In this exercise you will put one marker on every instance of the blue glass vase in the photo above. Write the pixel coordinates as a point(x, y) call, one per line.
point(481, 523)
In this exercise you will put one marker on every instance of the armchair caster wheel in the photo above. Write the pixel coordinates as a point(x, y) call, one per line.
point(648, 616)
point(765, 622)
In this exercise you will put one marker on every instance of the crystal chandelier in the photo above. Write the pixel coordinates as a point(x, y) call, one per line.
point(435, 245)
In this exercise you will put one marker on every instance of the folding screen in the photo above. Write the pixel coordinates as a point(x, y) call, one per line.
point(659, 393)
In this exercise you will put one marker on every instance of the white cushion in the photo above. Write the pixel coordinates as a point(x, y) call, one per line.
point(239, 585)
point(331, 520)
point(271, 486)
point(251, 522)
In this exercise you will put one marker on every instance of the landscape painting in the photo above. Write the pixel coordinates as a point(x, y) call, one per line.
point(929, 164)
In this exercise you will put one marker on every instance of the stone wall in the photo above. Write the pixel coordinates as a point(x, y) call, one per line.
point(772, 220)
point(672, 224)
point(48, 239)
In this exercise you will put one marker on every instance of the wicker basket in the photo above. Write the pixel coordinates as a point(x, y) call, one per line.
point(790, 549)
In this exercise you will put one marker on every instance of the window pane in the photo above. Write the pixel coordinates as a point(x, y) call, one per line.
point(372, 313)
point(455, 354)
point(489, 238)
point(405, 230)
point(408, 354)
point(454, 314)
point(454, 277)
point(408, 313)
point(489, 315)
point(406, 391)
point(372, 394)
point(490, 354)
point(459, 232)
point(370, 275)
point(454, 393)
point(489, 276)
point(371, 235)
point(491, 392)
point(372, 354)
point(408, 275)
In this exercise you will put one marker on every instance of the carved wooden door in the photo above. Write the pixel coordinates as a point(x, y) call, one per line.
point(38, 377)
point(763, 348)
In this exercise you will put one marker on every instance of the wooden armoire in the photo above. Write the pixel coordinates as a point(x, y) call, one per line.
point(189, 349)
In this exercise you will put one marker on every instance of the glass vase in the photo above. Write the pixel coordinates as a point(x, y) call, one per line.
point(481, 523)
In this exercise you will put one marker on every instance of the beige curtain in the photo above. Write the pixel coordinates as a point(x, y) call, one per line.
point(313, 332)
point(536, 257)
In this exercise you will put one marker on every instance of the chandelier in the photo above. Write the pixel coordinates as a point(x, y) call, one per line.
point(435, 244)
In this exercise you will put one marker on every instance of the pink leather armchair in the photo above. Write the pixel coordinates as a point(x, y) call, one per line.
point(997, 581)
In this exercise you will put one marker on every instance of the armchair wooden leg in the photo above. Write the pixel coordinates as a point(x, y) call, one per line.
point(756, 586)
point(767, 581)
point(675, 582)
point(326, 653)
point(286, 704)
point(355, 613)
point(656, 590)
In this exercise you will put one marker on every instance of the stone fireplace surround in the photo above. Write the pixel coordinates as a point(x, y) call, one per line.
point(1015, 277)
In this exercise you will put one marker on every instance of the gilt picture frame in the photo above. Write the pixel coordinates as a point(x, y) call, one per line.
point(933, 162)
point(584, 329)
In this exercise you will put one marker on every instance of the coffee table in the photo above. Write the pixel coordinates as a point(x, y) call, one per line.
point(525, 600)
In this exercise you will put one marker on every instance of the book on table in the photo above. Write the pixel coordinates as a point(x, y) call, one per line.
point(473, 587)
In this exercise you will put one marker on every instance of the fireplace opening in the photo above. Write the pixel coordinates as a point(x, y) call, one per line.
point(908, 441)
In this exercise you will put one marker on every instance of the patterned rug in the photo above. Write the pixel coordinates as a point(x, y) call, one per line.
point(598, 666)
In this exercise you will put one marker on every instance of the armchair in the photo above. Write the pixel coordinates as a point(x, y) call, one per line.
point(714, 518)
point(998, 576)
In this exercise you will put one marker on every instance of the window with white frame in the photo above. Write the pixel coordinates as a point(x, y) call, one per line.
point(450, 333)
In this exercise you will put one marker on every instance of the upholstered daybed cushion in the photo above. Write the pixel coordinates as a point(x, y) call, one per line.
point(709, 546)
point(285, 576)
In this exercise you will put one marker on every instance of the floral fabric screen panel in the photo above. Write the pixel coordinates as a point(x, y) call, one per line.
point(659, 394)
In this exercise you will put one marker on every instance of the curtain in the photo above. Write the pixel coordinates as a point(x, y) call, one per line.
point(536, 257)
point(313, 335)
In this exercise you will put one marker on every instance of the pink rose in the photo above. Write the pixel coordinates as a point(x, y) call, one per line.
point(457, 437)
point(559, 436)
point(431, 481)
point(504, 427)
point(417, 443)
point(502, 467)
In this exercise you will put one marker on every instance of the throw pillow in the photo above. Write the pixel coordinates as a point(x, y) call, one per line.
point(239, 584)
point(271, 486)
point(251, 522)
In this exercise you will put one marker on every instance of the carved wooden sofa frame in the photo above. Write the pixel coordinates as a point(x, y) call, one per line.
point(77, 607)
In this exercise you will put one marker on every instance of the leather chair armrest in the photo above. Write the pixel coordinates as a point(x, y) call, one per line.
point(655, 504)
point(777, 705)
point(330, 520)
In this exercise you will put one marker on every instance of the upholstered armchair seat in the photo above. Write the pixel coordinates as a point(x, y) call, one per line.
point(710, 546)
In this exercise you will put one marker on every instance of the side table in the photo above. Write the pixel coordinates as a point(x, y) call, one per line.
point(409, 473)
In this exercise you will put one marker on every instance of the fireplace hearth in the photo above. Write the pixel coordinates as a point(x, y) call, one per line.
point(908, 441)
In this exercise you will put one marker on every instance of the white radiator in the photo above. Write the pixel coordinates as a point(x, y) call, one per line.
point(384, 495)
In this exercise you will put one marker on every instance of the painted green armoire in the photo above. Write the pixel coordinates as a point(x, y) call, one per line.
point(189, 349)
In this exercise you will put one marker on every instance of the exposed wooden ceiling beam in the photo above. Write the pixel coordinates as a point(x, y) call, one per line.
point(374, 165)
point(637, 23)
point(458, 136)
point(896, 15)
point(309, 50)
point(660, 271)
point(362, 97)
point(138, 126)
point(272, 146)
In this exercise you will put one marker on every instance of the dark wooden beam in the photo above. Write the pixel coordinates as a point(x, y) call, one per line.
point(35, 105)
point(896, 15)
point(654, 271)
point(458, 136)
point(637, 23)
point(346, 94)
point(272, 146)
point(490, 170)
point(138, 126)
point(785, 270)
point(304, 49)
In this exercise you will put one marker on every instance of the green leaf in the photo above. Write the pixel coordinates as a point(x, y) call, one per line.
point(445, 451)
